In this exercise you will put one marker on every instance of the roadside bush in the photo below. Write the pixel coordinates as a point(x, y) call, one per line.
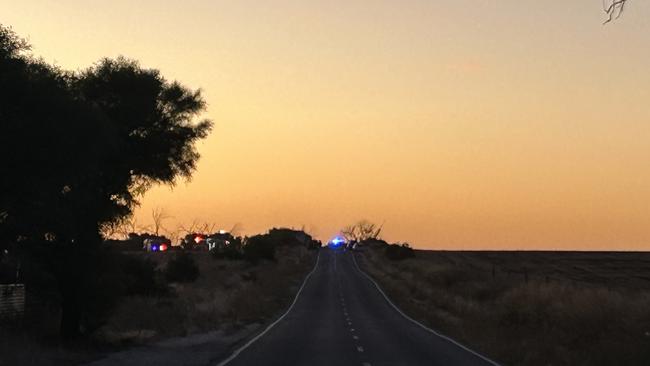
point(182, 268)
point(232, 251)
point(259, 247)
point(283, 237)
point(374, 243)
point(397, 252)
point(229, 252)
point(141, 277)
point(137, 319)
point(314, 245)
point(111, 275)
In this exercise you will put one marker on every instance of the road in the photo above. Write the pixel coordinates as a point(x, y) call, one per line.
point(341, 318)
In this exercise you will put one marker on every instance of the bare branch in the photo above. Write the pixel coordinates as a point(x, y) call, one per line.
point(109, 230)
point(123, 228)
point(235, 229)
point(189, 229)
point(362, 230)
point(158, 215)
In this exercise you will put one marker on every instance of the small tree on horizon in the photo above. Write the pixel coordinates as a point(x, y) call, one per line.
point(362, 231)
point(159, 215)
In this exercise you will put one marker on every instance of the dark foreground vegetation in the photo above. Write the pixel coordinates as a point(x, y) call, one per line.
point(77, 152)
point(147, 297)
point(227, 295)
point(527, 308)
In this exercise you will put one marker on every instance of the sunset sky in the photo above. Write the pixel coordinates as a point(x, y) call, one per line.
point(461, 124)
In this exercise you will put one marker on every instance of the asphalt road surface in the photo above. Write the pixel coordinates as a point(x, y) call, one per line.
point(340, 317)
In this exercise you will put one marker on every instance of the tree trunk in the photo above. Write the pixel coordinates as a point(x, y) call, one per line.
point(75, 263)
point(73, 270)
point(70, 312)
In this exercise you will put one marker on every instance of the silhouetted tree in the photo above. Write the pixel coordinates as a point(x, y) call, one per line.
point(158, 215)
point(362, 231)
point(77, 151)
point(259, 247)
point(128, 225)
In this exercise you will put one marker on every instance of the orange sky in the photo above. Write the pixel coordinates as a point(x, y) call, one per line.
point(463, 125)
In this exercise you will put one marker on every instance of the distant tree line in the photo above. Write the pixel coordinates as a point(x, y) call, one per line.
point(263, 246)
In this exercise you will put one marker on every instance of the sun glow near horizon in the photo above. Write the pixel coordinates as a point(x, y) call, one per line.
point(463, 125)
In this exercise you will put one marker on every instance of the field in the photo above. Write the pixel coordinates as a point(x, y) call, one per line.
point(229, 301)
point(528, 308)
point(227, 295)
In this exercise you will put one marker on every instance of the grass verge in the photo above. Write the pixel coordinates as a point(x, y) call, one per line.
point(527, 309)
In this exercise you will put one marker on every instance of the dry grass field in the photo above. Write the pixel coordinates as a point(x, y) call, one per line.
point(528, 308)
point(230, 299)
point(227, 295)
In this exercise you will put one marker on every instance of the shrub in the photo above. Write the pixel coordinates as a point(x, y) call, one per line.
point(398, 252)
point(232, 251)
point(182, 268)
point(374, 243)
point(314, 245)
point(286, 237)
point(140, 276)
point(259, 247)
point(229, 252)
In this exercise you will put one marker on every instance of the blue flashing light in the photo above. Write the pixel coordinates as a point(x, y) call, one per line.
point(337, 241)
point(154, 248)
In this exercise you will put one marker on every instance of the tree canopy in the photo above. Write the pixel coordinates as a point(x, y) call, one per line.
point(83, 147)
point(79, 149)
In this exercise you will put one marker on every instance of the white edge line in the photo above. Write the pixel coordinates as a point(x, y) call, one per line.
point(418, 323)
point(242, 348)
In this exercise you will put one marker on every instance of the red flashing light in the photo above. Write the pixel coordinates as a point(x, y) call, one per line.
point(163, 247)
